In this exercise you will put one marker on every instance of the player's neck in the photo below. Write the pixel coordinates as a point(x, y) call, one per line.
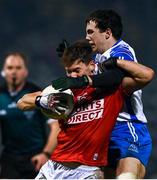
point(111, 43)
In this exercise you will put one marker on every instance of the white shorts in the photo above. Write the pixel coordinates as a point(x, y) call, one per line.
point(55, 170)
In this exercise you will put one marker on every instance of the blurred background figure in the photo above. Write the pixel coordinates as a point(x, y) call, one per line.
point(26, 142)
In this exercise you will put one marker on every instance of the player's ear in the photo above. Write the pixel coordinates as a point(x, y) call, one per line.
point(92, 66)
point(108, 33)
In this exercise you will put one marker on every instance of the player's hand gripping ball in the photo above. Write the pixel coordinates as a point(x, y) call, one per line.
point(56, 104)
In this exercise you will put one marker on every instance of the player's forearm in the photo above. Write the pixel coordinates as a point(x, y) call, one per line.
point(108, 79)
point(138, 72)
point(27, 102)
point(52, 138)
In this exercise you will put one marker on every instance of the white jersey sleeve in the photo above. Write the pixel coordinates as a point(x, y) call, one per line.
point(133, 106)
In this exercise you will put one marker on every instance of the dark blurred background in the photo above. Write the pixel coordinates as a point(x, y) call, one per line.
point(37, 26)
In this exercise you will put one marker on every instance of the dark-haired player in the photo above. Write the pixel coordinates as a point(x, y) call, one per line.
point(131, 145)
point(84, 137)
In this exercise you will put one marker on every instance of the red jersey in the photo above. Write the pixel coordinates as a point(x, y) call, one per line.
point(86, 135)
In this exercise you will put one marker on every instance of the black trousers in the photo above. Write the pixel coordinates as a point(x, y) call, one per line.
point(16, 167)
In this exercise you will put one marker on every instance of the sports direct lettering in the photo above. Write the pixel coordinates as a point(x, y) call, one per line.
point(91, 112)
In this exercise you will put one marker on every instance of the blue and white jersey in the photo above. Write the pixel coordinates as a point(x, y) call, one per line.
point(133, 107)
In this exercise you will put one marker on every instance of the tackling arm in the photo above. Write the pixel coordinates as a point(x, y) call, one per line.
point(139, 75)
point(107, 79)
point(113, 72)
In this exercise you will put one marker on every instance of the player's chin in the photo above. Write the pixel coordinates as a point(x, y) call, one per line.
point(94, 49)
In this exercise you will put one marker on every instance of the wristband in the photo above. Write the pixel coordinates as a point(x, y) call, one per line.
point(37, 101)
point(47, 154)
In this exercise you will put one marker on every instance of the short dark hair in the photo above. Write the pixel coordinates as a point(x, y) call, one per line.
point(17, 53)
point(81, 49)
point(107, 19)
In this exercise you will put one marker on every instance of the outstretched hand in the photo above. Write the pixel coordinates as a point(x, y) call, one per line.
point(61, 47)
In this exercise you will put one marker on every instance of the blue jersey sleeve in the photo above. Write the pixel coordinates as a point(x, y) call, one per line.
point(122, 53)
